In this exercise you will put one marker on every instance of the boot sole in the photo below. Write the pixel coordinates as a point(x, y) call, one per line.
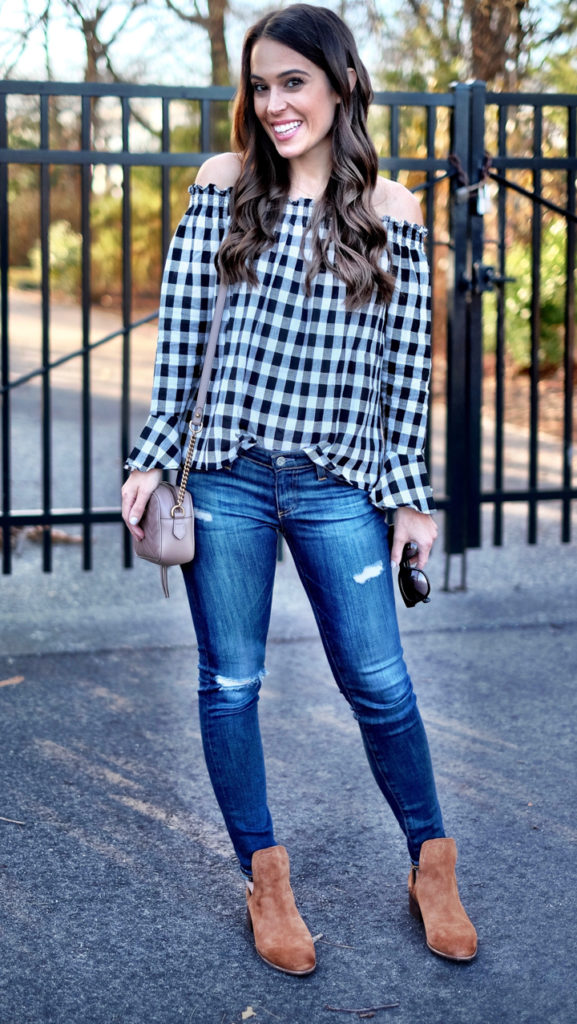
point(277, 967)
point(415, 910)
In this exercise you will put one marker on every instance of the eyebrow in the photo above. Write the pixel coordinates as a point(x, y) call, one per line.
point(283, 74)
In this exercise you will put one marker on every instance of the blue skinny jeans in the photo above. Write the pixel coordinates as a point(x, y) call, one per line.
point(338, 541)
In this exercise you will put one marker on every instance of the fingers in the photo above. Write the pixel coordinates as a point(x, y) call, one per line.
point(397, 550)
point(135, 494)
point(416, 527)
point(129, 514)
point(420, 556)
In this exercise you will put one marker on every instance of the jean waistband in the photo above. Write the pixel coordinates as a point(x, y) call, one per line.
point(277, 458)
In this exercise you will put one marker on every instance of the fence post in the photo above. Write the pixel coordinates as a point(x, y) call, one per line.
point(465, 325)
point(456, 464)
point(5, 351)
point(475, 331)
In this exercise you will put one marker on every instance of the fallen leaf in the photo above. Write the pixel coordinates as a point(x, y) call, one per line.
point(13, 681)
point(36, 533)
point(249, 1012)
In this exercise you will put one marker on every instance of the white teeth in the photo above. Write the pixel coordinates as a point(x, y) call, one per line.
point(284, 129)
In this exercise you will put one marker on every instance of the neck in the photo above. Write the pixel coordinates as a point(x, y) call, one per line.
point(298, 191)
point(308, 180)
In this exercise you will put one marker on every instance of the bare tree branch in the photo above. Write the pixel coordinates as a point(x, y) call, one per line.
point(214, 23)
point(88, 17)
point(420, 11)
point(135, 5)
point(195, 19)
point(567, 24)
point(17, 39)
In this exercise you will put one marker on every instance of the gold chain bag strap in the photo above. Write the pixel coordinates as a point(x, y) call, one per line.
point(168, 521)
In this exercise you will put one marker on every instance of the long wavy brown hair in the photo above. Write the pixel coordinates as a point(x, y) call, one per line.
point(346, 235)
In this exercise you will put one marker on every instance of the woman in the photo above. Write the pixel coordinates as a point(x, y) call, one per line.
point(314, 426)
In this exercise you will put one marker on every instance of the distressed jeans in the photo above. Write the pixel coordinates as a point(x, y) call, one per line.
point(338, 541)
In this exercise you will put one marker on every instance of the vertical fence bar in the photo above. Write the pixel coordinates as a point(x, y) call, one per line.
point(86, 186)
point(4, 261)
point(46, 444)
point(431, 198)
point(430, 225)
point(165, 181)
point(205, 132)
point(394, 133)
point(536, 226)
point(456, 464)
point(475, 318)
point(500, 340)
point(126, 305)
point(569, 354)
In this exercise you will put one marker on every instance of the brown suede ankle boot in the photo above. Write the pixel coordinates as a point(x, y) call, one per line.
point(434, 899)
point(281, 937)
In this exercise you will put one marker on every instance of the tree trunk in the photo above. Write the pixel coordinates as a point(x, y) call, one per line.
point(218, 51)
point(496, 33)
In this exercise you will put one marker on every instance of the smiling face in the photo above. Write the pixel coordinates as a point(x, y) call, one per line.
point(295, 103)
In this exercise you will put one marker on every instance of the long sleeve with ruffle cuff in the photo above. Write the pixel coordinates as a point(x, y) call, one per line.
point(405, 378)
point(404, 481)
point(159, 445)
point(189, 286)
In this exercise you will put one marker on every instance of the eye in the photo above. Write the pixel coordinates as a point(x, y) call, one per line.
point(259, 87)
point(293, 83)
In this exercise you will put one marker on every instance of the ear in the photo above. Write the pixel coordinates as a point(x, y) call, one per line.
point(352, 76)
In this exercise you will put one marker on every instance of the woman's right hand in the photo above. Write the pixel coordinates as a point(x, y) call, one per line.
point(135, 494)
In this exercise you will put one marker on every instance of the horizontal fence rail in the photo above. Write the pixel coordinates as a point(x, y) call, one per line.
point(108, 138)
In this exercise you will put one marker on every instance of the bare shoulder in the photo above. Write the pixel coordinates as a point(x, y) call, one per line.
point(222, 170)
point(391, 199)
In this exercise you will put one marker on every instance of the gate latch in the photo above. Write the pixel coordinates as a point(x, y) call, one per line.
point(484, 279)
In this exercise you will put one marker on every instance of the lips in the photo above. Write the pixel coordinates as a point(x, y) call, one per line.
point(286, 129)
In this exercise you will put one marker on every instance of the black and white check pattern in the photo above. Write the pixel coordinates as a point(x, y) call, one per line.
point(349, 388)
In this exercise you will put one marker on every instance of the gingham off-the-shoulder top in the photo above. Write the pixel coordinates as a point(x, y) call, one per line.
point(293, 371)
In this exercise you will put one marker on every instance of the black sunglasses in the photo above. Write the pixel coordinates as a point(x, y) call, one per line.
point(414, 584)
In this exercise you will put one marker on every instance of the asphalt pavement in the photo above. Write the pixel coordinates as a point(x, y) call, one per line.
point(120, 900)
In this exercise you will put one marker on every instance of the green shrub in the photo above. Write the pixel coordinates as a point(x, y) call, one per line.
point(518, 302)
point(65, 257)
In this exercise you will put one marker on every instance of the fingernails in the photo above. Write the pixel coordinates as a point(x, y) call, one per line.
point(133, 520)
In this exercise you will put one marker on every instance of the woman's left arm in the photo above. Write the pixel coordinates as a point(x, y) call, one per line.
point(405, 394)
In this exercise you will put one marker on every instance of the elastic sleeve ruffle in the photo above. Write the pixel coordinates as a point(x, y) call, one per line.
point(404, 479)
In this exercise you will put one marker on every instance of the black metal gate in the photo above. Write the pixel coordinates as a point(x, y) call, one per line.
point(521, 147)
point(465, 150)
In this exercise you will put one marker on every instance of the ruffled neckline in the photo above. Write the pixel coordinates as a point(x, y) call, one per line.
point(304, 203)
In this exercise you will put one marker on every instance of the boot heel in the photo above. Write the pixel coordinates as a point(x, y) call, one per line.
point(414, 908)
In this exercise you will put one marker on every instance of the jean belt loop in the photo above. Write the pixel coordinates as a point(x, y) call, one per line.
point(321, 472)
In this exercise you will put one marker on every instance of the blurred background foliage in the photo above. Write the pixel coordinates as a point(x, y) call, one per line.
point(552, 283)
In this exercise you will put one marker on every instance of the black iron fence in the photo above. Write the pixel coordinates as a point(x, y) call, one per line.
point(437, 144)
point(514, 306)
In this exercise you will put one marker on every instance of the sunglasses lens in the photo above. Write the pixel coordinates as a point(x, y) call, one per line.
point(419, 583)
point(414, 585)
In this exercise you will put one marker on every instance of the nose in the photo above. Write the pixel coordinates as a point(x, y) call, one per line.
point(276, 100)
